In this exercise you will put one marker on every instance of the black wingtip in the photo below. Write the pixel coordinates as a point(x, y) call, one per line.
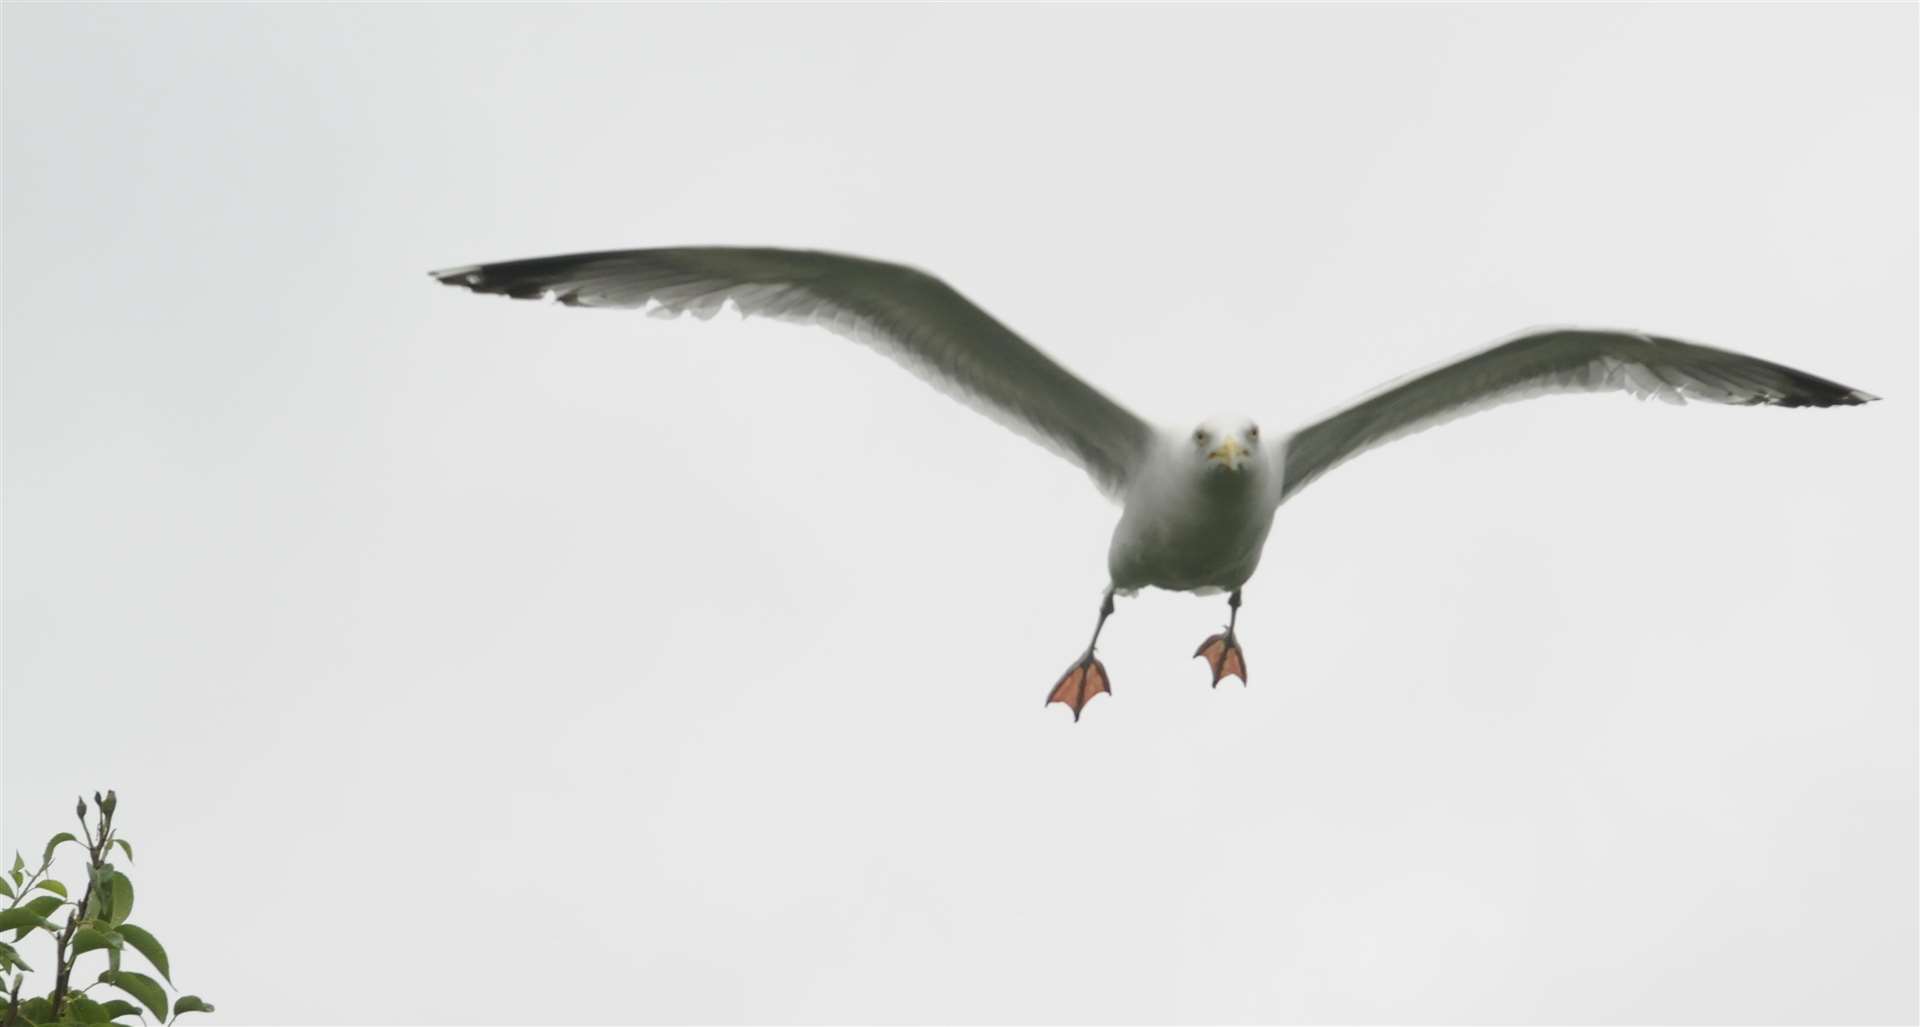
point(1801, 389)
point(466, 276)
point(1830, 395)
point(540, 278)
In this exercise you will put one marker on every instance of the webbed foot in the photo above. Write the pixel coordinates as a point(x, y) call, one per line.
point(1224, 655)
point(1082, 681)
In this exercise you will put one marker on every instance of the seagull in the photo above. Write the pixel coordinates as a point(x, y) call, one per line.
point(1196, 503)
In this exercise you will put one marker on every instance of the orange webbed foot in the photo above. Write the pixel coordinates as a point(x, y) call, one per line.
point(1077, 687)
point(1224, 655)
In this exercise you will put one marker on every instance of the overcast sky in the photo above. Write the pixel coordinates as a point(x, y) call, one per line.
point(463, 660)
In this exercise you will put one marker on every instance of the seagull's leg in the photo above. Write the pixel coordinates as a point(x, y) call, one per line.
point(1086, 678)
point(1223, 651)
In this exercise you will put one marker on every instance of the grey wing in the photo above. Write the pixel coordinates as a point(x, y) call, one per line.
point(1548, 361)
point(906, 314)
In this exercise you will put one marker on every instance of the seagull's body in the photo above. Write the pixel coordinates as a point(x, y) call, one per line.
point(1197, 503)
point(1192, 529)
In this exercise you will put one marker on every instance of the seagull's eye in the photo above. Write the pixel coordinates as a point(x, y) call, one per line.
point(1200, 435)
point(1253, 432)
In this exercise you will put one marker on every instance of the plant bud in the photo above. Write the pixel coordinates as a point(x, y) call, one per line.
point(80, 809)
point(107, 806)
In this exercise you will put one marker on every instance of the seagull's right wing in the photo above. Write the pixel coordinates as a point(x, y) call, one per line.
point(1546, 361)
point(908, 315)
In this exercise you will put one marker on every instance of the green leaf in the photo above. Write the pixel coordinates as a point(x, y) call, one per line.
point(5, 888)
point(148, 946)
point(18, 863)
point(40, 907)
point(23, 918)
point(55, 842)
point(122, 896)
point(35, 1009)
point(125, 845)
point(10, 957)
point(118, 1007)
point(86, 939)
point(191, 1004)
point(140, 986)
point(43, 904)
point(53, 886)
point(81, 1009)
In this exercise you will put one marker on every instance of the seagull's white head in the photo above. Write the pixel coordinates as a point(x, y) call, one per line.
point(1226, 444)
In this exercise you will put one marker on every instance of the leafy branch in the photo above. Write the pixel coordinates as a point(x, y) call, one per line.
point(95, 922)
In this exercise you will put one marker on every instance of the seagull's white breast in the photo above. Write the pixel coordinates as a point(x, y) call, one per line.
point(1188, 528)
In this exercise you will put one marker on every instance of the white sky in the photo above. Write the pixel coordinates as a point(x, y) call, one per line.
point(460, 660)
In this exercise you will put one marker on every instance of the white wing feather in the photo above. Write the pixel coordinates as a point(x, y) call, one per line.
point(1547, 361)
point(906, 314)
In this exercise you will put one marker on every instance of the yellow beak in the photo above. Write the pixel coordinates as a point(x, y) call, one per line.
point(1228, 452)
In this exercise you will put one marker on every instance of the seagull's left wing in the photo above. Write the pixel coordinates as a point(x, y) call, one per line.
point(1541, 362)
point(906, 314)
